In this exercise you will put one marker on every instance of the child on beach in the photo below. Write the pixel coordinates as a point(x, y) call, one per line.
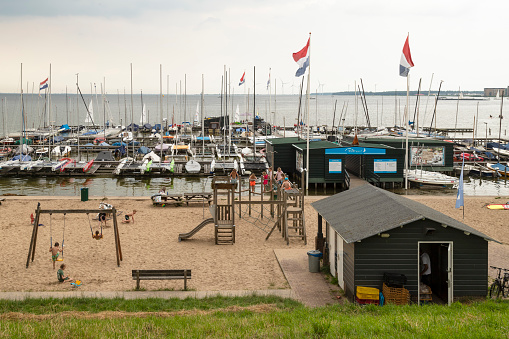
point(97, 236)
point(265, 180)
point(54, 252)
point(102, 219)
point(234, 177)
point(252, 182)
point(60, 275)
point(287, 185)
point(128, 217)
point(279, 175)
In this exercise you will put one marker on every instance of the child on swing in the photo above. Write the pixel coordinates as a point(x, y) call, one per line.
point(54, 252)
point(97, 236)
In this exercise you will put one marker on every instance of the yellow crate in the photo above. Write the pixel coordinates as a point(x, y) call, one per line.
point(369, 293)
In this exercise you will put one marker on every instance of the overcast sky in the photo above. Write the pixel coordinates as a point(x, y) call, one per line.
point(463, 43)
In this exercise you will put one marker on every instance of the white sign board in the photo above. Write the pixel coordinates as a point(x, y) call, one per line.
point(385, 166)
point(335, 166)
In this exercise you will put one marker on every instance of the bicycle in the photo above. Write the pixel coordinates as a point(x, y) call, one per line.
point(500, 285)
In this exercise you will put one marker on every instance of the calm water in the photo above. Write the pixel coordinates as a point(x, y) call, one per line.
point(383, 110)
point(130, 187)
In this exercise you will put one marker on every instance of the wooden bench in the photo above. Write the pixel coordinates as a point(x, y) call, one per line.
point(161, 275)
point(207, 196)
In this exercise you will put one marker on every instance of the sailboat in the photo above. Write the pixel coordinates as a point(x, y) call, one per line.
point(237, 115)
point(143, 118)
point(197, 115)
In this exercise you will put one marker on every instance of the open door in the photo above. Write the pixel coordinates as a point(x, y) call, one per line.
point(441, 279)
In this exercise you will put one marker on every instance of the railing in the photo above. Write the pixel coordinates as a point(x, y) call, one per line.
point(372, 178)
point(347, 179)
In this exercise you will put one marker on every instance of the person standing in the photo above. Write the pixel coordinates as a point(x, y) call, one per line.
point(425, 268)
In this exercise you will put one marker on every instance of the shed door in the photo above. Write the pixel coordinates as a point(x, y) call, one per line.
point(332, 252)
point(339, 260)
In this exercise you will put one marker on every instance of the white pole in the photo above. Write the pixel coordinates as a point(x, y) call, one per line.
point(407, 127)
point(202, 121)
point(307, 105)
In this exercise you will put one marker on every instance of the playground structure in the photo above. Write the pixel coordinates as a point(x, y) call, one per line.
point(283, 210)
point(39, 211)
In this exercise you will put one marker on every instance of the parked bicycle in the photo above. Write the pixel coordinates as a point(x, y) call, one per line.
point(501, 284)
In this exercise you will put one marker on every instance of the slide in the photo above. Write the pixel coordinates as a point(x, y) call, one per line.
point(196, 229)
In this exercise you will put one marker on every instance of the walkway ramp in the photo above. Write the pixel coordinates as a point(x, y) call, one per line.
point(196, 229)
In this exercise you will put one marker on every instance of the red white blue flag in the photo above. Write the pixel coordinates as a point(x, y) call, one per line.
point(302, 59)
point(43, 85)
point(242, 80)
point(406, 60)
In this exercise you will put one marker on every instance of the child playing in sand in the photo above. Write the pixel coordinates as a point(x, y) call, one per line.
point(128, 217)
point(54, 252)
point(60, 275)
point(252, 182)
point(97, 236)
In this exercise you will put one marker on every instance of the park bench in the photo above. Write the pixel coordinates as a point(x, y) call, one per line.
point(161, 275)
point(204, 196)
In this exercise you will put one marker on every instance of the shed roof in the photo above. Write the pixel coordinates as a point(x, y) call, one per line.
point(317, 145)
point(282, 141)
point(367, 210)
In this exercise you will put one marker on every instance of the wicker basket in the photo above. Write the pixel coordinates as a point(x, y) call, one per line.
point(395, 295)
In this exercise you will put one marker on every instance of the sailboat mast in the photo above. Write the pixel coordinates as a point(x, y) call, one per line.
point(161, 108)
point(254, 109)
point(500, 123)
point(202, 121)
point(132, 108)
point(78, 116)
point(22, 142)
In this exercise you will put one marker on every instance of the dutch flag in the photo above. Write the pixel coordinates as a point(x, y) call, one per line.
point(302, 59)
point(242, 80)
point(43, 85)
point(406, 60)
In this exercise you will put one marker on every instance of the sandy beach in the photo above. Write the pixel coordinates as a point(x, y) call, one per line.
point(152, 243)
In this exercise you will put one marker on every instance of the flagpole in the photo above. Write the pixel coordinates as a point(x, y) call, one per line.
point(407, 127)
point(307, 108)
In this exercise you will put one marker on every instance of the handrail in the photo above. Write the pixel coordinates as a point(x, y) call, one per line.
point(372, 178)
point(347, 179)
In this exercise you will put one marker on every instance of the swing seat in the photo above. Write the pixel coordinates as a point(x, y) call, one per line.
point(60, 259)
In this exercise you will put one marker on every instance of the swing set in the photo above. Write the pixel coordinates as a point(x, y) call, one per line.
point(35, 231)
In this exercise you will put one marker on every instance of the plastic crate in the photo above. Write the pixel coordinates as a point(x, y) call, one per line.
point(366, 301)
point(396, 295)
point(394, 279)
point(367, 293)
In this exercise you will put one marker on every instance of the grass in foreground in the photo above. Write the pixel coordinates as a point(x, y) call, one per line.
point(248, 318)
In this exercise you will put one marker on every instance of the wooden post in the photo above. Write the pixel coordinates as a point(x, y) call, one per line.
point(36, 228)
point(34, 235)
point(240, 197)
point(137, 279)
point(261, 195)
point(115, 231)
point(115, 222)
point(249, 189)
point(185, 280)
